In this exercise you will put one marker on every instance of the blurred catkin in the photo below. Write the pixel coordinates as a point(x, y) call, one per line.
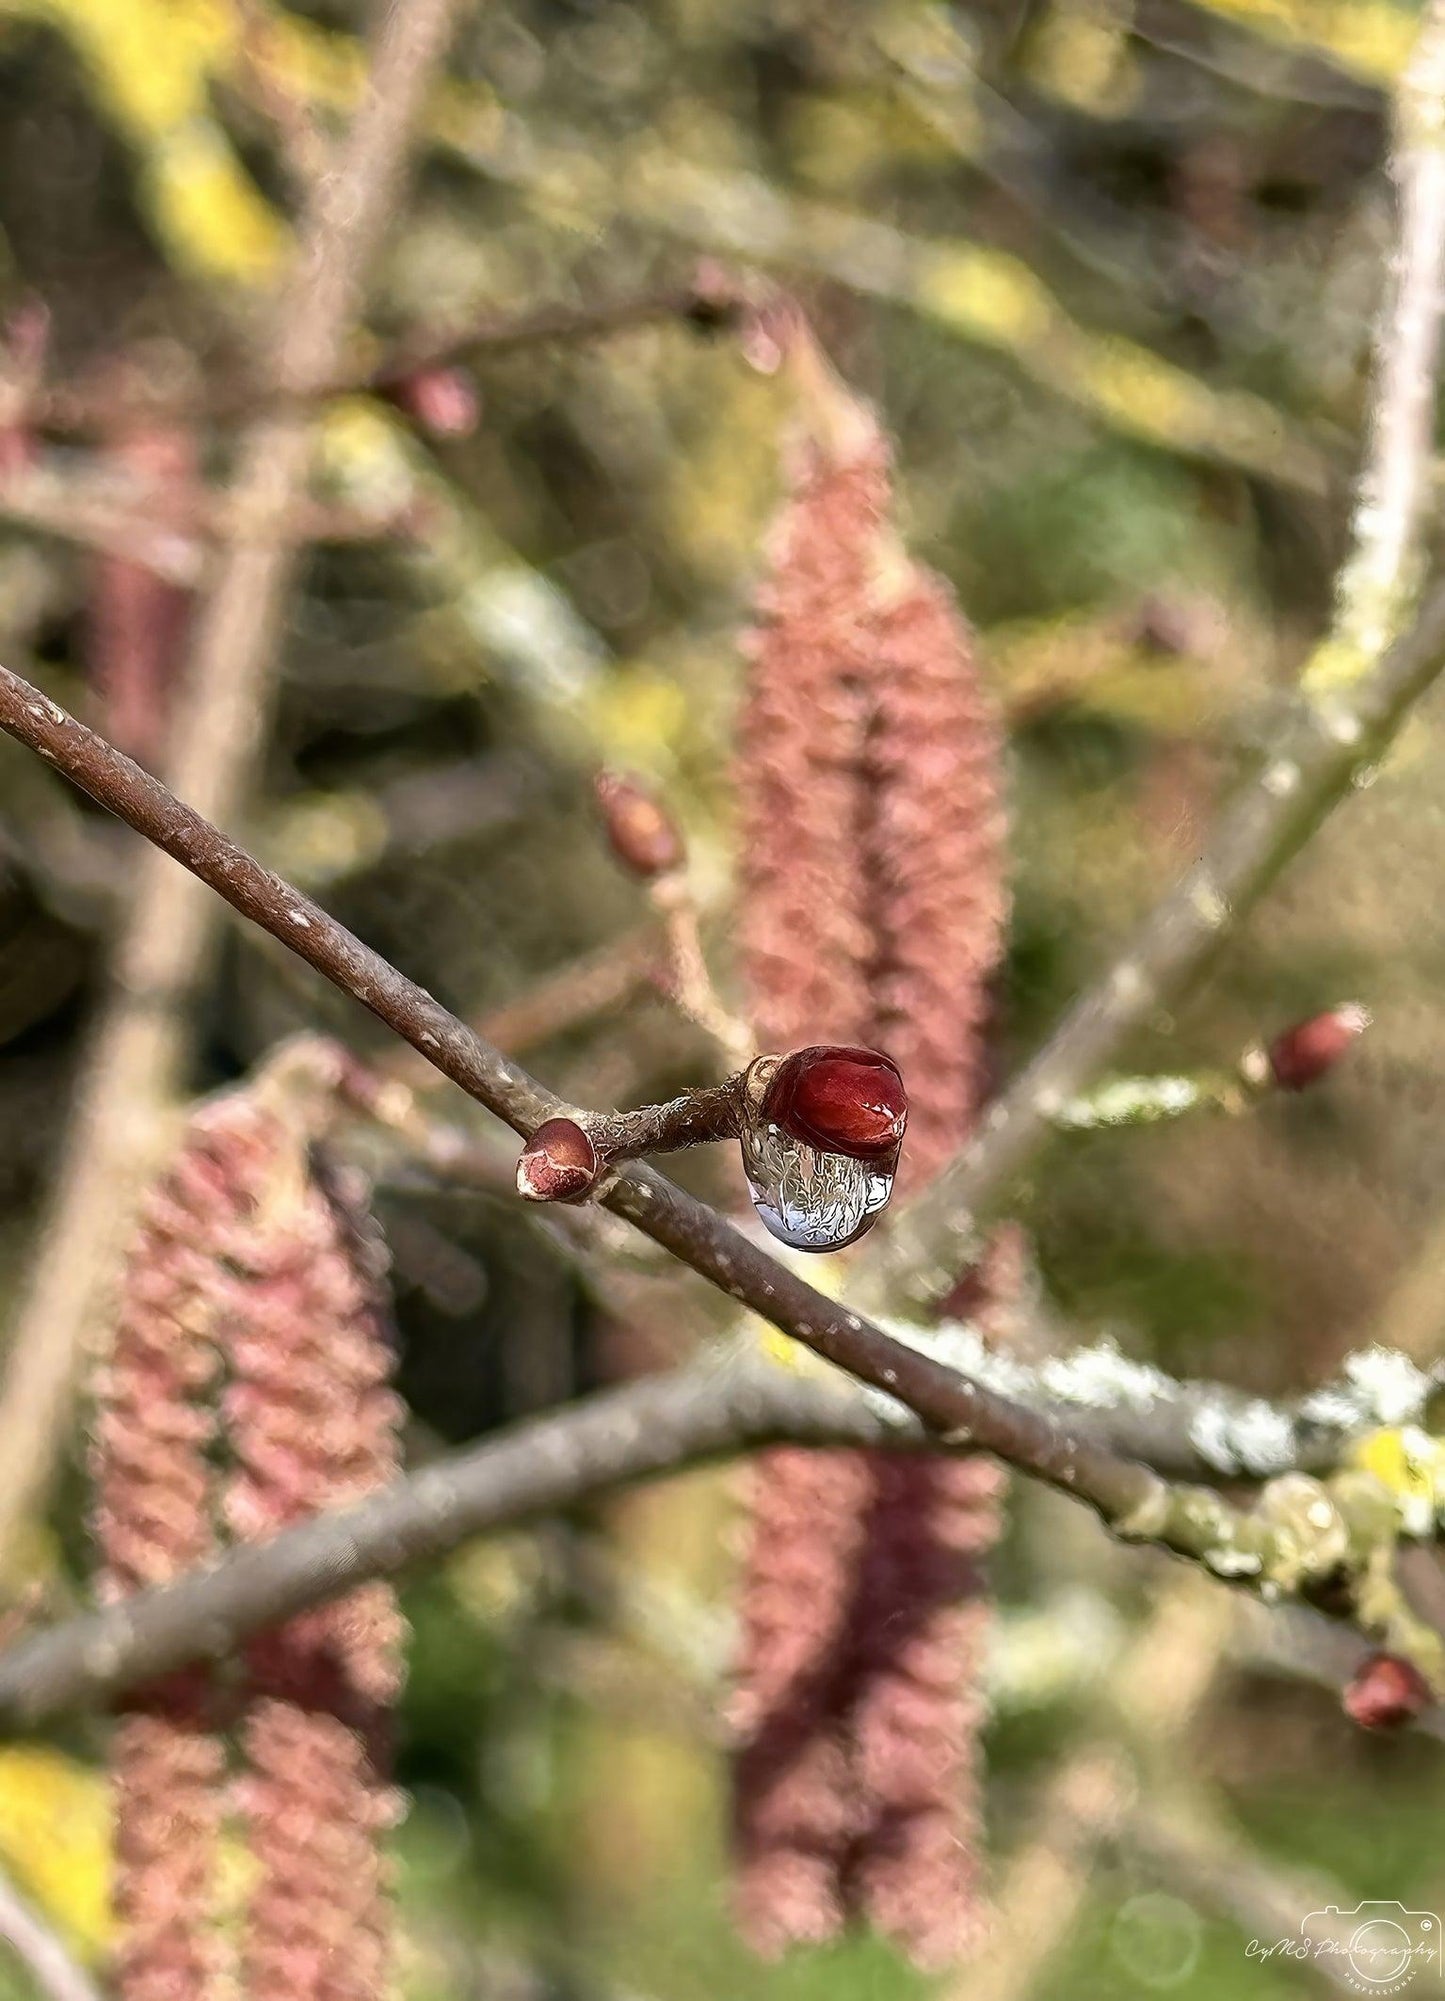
point(153, 1520)
point(872, 909)
point(311, 1424)
point(253, 1258)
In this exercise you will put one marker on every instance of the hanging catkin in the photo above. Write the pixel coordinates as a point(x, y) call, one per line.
point(153, 1520)
point(253, 1262)
point(871, 911)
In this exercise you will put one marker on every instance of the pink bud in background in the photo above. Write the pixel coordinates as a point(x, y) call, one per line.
point(1386, 1692)
point(443, 402)
point(1311, 1049)
point(643, 837)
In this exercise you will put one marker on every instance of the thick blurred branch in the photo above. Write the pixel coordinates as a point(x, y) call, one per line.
point(160, 531)
point(1154, 1693)
point(138, 1050)
point(1184, 1842)
point(719, 1405)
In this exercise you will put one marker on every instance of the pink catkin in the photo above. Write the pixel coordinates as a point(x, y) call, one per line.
point(153, 1520)
point(249, 1254)
point(803, 943)
point(863, 1601)
point(935, 854)
point(802, 929)
point(311, 1423)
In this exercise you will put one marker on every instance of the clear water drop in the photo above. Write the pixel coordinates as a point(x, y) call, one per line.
point(812, 1200)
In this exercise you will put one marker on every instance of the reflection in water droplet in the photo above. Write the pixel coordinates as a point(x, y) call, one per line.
point(812, 1200)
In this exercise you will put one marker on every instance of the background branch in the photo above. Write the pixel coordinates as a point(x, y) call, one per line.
point(721, 1404)
point(1377, 582)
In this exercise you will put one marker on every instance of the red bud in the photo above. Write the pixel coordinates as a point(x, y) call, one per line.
point(840, 1100)
point(558, 1164)
point(1386, 1692)
point(442, 401)
point(642, 836)
point(1304, 1053)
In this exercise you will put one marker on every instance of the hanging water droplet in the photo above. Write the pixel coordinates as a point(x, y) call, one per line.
point(810, 1199)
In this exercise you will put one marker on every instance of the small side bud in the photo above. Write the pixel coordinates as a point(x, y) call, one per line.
point(1386, 1692)
point(643, 837)
point(443, 402)
point(558, 1164)
point(1309, 1050)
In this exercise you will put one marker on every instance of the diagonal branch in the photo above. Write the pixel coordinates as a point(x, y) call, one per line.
point(1378, 582)
point(138, 1051)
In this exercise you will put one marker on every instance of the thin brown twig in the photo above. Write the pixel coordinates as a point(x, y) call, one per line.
point(703, 303)
point(690, 980)
point(138, 1051)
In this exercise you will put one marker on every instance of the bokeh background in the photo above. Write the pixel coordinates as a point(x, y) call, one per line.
point(1108, 267)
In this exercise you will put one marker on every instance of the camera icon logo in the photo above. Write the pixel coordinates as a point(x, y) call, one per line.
point(1380, 1946)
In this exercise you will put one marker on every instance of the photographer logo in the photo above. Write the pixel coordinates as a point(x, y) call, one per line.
point(1377, 1947)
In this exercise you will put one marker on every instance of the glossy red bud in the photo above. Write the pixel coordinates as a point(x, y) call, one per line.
point(1386, 1692)
point(839, 1100)
point(641, 835)
point(1304, 1053)
point(559, 1163)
